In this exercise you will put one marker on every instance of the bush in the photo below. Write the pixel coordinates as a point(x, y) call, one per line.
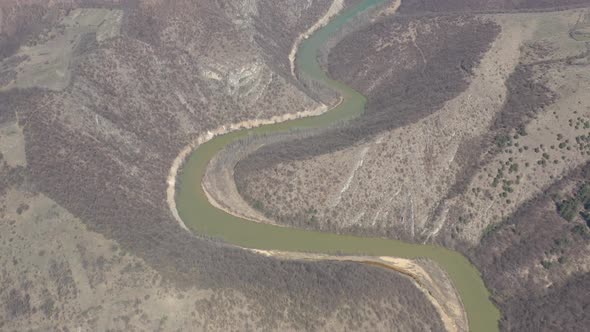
point(584, 194)
point(513, 168)
point(568, 208)
point(580, 230)
point(503, 141)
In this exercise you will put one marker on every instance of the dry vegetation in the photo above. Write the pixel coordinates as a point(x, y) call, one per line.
point(536, 261)
point(475, 137)
point(58, 275)
point(22, 21)
point(87, 240)
point(522, 107)
point(394, 74)
point(85, 281)
point(442, 6)
point(47, 60)
point(490, 132)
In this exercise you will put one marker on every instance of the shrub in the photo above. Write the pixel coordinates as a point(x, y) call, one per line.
point(546, 264)
point(503, 141)
point(513, 168)
point(580, 230)
point(568, 208)
point(584, 194)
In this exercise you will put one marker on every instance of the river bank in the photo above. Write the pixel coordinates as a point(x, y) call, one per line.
point(195, 211)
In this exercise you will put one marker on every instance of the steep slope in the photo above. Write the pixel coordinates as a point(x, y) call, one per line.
point(405, 86)
point(477, 169)
point(88, 240)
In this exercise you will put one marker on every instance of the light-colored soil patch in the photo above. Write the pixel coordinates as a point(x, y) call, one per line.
point(581, 30)
point(12, 144)
point(392, 8)
point(77, 280)
point(220, 187)
point(48, 63)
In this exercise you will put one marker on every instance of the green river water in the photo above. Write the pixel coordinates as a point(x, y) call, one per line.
point(204, 219)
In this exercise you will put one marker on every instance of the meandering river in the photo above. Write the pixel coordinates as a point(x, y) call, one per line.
point(204, 219)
